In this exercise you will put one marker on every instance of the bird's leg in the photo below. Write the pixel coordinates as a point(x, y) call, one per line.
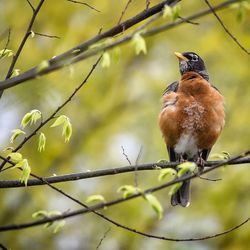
point(181, 158)
point(200, 163)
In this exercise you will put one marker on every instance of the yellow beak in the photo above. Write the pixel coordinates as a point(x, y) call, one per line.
point(180, 56)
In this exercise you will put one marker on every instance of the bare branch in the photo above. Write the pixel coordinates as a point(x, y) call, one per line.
point(126, 156)
point(103, 237)
point(105, 172)
point(225, 28)
point(7, 42)
point(31, 6)
point(3, 247)
point(123, 12)
point(86, 4)
point(45, 35)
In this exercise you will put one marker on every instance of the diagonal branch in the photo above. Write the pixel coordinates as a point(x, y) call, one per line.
point(82, 51)
point(225, 28)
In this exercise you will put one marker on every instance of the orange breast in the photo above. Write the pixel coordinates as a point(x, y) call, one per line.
point(196, 108)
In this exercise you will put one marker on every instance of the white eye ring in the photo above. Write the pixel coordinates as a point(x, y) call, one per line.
point(195, 58)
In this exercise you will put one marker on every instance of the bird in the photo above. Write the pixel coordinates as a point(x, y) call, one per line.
point(191, 119)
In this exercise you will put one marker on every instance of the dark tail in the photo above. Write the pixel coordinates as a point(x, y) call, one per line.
point(182, 196)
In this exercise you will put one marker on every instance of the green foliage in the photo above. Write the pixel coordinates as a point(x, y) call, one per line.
point(139, 44)
point(16, 133)
point(31, 117)
point(15, 157)
point(155, 204)
point(172, 12)
point(105, 60)
point(41, 142)
point(6, 53)
point(185, 167)
point(95, 198)
point(42, 66)
point(15, 72)
point(167, 172)
point(128, 190)
point(67, 126)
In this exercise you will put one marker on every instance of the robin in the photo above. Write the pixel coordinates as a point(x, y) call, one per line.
point(191, 118)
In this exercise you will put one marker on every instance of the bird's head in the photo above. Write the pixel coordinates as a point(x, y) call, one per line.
point(190, 61)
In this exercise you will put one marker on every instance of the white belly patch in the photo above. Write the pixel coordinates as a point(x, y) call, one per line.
point(187, 144)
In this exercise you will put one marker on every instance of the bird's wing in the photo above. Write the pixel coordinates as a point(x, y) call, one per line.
point(173, 87)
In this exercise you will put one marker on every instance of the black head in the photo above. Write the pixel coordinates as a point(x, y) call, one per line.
point(190, 61)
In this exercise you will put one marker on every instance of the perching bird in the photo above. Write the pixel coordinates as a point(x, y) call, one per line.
point(191, 119)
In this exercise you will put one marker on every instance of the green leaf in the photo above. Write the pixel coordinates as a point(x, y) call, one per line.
point(59, 121)
point(40, 214)
point(139, 44)
point(128, 190)
point(41, 142)
point(15, 157)
point(95, 198)
point(185, 167)
point(167, 11)
point(42, 66)
point(59, 226)
point(176, 11)
point(31, 117)
point(220, 156)
point(15, 134)
point(155, 204)
point(67, 130)
point(105, 60)
point(6, 53)
point(174, 188)
point(8, 149)
point(167, 172)
point(26, 172)
point(35, 116)
point(15, 72)
point(32, 34)
point(26, 119)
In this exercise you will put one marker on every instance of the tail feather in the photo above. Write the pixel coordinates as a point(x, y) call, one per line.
point(182, 196)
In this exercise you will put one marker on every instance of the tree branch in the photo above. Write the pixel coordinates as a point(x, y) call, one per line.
point(117, 201)
point(106, 172)
point(225, 28)
point(79, 52)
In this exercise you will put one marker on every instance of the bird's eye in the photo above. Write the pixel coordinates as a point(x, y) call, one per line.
point(194, 58)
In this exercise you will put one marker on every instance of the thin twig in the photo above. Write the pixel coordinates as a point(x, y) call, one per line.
point(124, 10)
point(136, 167)
point(187, 21)
point(3, 247)
point(31, 6)
point(126, 156)
point(103, 237)
point(86, 4)
point(7, 42)
point(55, 112)
point(45, 35)
point(225, 28)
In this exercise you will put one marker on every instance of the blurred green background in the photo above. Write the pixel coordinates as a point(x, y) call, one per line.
point(119, 107)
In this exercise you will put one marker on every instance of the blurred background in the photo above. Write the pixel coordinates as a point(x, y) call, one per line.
point(119, 107)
